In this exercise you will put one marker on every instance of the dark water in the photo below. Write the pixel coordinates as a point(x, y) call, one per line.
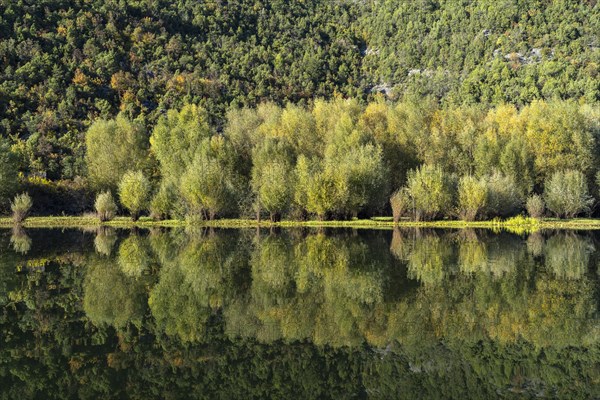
point(241, 314)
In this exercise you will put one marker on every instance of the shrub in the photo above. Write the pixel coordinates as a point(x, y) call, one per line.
point(504, 197)
point(535, 206)
point(401, 203)
point(105, 206)
point(134, 192)
point(431, 191)
point(566, 193)
point(163, 202)
point(20, 207)
point(472, 197)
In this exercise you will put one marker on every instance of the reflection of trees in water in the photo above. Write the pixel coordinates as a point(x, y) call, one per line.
point(110, 296)
point(330, 289)
point(431, 259)
point(134, 256)
point(105, 240)
point(19, 240)
point(194, 283)
point(567, 255)
point(478, 329)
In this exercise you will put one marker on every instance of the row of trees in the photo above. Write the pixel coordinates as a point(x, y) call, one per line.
point(339, 159)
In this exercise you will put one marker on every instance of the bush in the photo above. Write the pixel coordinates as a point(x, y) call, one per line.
point(20, 207)
point(105, 206)
point(535, 206)
point(134, 192)
point(504, 197)
point(401, 203)
point(566, 193)
point(163, 202)
point(431, 191)
point(472, 197)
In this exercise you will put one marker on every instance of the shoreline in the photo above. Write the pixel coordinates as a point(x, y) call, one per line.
point(517, 224)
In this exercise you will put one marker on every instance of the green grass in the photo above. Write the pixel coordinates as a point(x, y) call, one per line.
point(517, 224)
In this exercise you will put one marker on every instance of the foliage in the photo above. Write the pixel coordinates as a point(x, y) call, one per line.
point(163, 203)
point(177, 138)
point(134, 192)
point(566, 193)
point(274, 185)
point(472, 197)
point(504, 196)
point(105, 206)
point(8, 173)
point(431, 190)
point(20, 206)
point(401, 203)
point(535, 206)
point(208, 188)
point(114, 147)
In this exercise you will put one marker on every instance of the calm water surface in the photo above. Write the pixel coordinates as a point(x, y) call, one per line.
point(294, 314)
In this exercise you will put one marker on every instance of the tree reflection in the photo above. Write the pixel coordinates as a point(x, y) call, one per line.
point(110, 296)
point(19, 240)
point(105, 240)
point(568, 255)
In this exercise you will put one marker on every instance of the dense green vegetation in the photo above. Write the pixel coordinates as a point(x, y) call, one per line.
point(90, 89)
point(250, 314)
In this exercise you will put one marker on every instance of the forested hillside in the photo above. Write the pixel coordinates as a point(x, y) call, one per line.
point(65, 64)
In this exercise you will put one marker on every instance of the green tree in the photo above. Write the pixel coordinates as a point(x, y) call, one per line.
point(105, 206)
point(134, 192)
point(21, 206)
point(472, 197)
point(208, 188)
point(566, 193)
point(8, 173)
point(504, 196)
point(274, 185)
point(177, 138)
point(431, 190)
point(401, 203)
point(114, 147)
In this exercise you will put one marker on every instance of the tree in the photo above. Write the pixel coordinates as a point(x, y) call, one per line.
point(274, 185)
point(177, 138)
point(134, 192)
point(472, 197)
point(207, 187)
point(566, 193)
point(401, 203)
point(535, 206)
point(105, 206)
point(8, 173)
point(20, 207)
point(504, 197)
point(114, 147)
point(431, 191)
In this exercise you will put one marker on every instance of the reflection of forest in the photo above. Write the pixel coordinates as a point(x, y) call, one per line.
point(408, 310)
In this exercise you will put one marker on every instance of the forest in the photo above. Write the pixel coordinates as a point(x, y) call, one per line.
point(312, 109)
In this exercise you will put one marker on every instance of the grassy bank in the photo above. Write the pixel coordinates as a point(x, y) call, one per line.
point(517, 224)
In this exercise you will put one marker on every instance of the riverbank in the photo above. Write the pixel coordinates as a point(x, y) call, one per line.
point(517, 224)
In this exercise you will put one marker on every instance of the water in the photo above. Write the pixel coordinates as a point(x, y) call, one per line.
point(294, 314)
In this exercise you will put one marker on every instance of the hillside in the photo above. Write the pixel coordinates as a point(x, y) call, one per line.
point(66, 63)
